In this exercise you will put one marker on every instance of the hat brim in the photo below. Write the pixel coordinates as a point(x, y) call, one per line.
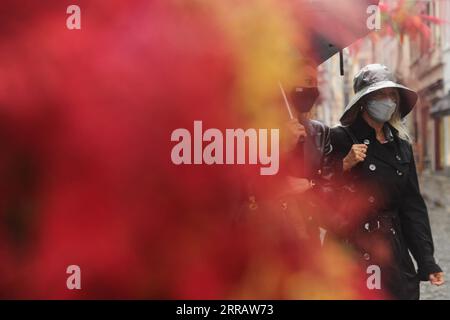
point(408, 99)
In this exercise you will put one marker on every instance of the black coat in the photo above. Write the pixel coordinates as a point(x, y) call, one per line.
point(309, 159)
point(393, 210)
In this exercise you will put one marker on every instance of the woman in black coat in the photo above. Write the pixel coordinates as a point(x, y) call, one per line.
point(386, 215)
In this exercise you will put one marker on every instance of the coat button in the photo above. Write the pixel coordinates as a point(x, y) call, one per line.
point(371, 199)
point(393, 231)
point(366, 256)
point(284, 205)
point(366, 141)
point(372, 167)
point(398, 157)
point(399, 173)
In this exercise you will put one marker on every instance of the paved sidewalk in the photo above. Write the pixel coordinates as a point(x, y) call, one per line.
point(436, 191)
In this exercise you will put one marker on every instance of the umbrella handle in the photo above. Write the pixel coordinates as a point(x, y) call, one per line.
point(291, 116)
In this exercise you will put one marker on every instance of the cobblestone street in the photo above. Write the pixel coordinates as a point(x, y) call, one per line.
point(436, 191)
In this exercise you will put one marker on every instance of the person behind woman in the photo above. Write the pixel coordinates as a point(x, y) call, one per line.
point(296, 194)
point(376, 157)
point(308, 163)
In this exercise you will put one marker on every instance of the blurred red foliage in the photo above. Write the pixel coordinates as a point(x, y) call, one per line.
point(86, 176)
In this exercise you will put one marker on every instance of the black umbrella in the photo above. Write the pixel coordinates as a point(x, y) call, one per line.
point(333, 25)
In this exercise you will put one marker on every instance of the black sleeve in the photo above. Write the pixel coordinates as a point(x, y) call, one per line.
point(327, 188)
point(328, 169)
point(416, 226)
point(340, 146)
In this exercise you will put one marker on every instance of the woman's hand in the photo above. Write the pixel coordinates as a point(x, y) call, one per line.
point(296, 186)
point(437, 278)
point(356, 155)
point(296, 132)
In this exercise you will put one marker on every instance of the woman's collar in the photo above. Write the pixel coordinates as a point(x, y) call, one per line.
point(362, 130)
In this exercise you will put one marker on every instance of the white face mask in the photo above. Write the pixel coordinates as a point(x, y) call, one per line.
point(381, 110)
